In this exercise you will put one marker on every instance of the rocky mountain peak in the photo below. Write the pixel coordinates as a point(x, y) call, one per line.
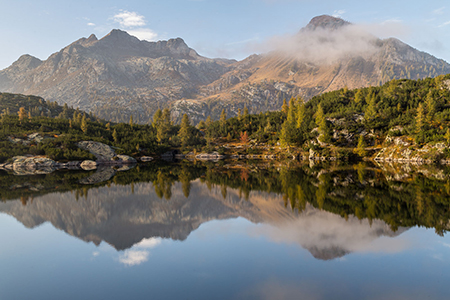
point(91, 39)
point(326, 22)
point(26, 62)
point(120, 37)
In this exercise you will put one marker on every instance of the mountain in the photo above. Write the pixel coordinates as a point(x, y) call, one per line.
point(115, 76)
point(120, 75)
point(123, 216)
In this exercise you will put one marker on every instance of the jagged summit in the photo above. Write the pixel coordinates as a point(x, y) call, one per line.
point(326, 22)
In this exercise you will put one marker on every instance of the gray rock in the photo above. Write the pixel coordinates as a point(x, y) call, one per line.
point(99, 150)
point(88, 165)
point(146, 158)
point(28, 165)
point(124, 159)
point(102, 174)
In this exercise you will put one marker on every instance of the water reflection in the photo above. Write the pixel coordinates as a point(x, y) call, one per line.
point(331, 211)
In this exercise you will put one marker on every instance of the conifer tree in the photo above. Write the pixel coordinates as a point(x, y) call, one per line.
point(115, 136)
point(22, 114)
point(201, 125)
point(370, 112)
point(164, 126)
point(359, 96)
point(321, 121)
point(157, 117)
point(300, 113)
point(223, 121)
point(185, 132)
point(131, 121)
point(284, 107)
point(420, 118)
point(431, 106)
point(361, 148)
point(84, 125)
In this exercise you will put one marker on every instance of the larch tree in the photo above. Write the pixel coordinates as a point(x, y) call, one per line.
point(431, 106)
point(285, 107)
point(22, 114)
point(420, 118)
point(185, 131)
point(84, 125)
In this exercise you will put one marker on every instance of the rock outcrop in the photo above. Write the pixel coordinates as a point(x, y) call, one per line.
point(24, 165)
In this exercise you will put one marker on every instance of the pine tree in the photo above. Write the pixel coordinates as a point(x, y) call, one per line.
point(22, 114)
point(108, 126)
point(319, 115)
point(291, 116)
point(431, 106)
point(223, 121)
point(420, 118)
point(300, 113)
point(157, 117)
point(361, 148)
point(284, 107)
point(370, 112)
point(84, 125)
point(131, 121)
point(115, 136)
point(185, 132)
point(201, 125)
point(163, 128)
point(208, 135)
point(321, 121)
point(359, 96)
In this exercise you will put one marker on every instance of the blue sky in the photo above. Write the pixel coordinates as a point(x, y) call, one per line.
point(215, 28)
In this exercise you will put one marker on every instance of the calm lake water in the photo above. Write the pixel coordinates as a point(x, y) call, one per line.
point(227, 231)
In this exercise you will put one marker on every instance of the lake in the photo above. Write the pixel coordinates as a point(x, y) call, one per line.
point(227, 230)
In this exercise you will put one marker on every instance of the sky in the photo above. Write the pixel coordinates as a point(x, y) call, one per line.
point(214, 28)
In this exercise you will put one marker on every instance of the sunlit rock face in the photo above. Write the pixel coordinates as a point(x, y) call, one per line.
point(124, 216)
point(119, 75)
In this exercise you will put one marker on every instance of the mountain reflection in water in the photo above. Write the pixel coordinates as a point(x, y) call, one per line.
point(329, 211)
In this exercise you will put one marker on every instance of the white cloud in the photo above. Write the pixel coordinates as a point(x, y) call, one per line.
point(338, 13)
point(90, 24)
point(148, 243)
point(129, 19)
point(143, 34)
point(139, 253)
point(134, 257)
point(134, 23)
point(96, 253)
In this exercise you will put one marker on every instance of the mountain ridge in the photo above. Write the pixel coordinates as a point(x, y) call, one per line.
point(119, 75)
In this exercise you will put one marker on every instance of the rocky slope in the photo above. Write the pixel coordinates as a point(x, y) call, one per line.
point(120, 75)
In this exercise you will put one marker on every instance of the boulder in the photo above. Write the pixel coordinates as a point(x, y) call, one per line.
point(124, 159)
point(99, 150)
point(104, 173)
point(146, 158)
point(28, 165)
point(88, 165)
